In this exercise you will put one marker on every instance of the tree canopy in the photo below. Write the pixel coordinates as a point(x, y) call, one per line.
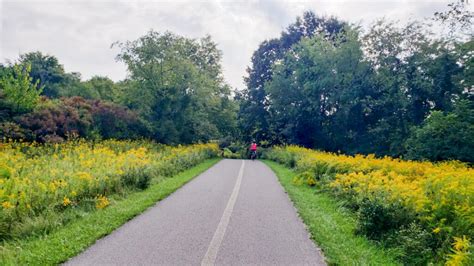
point(177, 87)
point(331, 85)
point(389, 89)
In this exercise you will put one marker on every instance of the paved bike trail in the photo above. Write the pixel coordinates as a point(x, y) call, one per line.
point(235, 213)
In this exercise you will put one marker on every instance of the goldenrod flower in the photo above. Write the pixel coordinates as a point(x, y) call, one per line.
point(460, 255)
point(102, 202)
point(428, 189)
point(7, 205)
point(69, 172)
point(461, 243)
point(66, 201)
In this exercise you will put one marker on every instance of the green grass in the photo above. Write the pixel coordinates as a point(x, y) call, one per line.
point(331, 226)
point(76, 236)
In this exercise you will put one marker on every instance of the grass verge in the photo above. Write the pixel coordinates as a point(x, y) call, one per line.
point(76, 236)
point(331, 226)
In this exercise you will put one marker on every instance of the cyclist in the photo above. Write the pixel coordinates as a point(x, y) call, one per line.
point(253, 150)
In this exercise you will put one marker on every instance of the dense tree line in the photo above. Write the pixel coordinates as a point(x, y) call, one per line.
point(392, 90)
point(324, 83)
point(175, 93)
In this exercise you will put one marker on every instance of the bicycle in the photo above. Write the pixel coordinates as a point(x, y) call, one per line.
point(253, 155)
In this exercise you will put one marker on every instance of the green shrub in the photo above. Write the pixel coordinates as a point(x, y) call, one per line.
point(378, 219)
point(281, 156)
point(227, 153)
point(307, 178)
point(444, 136)
point(224, 142)
point(413, 243)
point(59, 120)
point(138, 178)
point(11, 130)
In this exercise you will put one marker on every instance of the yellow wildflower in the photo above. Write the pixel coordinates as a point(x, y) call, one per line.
point(461, 243)
point(84, 176)
point(7, 205)
point(311, 181)
point(66, 201)
point(460, 255)
point(102, 202)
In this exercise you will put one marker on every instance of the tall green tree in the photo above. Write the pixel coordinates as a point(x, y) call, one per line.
point(253, 114)
point(18, 92)
point(415, 74)
point(101, 88)
point(46, 71)
point(51, 76)
point(176, 84)
point(319, 93)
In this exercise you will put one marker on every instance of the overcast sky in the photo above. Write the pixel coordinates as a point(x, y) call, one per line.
point(79, 32)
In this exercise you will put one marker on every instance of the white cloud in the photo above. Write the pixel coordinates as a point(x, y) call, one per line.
point(80, 32)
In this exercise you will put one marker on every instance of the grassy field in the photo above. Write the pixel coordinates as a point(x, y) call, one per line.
point(331, 226)
point(76, 236)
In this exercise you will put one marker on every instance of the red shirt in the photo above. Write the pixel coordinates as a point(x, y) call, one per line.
point(253, 147)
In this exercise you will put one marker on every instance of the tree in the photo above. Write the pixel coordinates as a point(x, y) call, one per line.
point(46, 72)
point(102, 88)
point(415, 74)
point(253, 114)
point(319, 96)
point(72, 86)
point(465, 77)
point(458, 19)
point(176, 85)
point(327, 86)
point(51, 76)
point(444, 136)
point(17, 90)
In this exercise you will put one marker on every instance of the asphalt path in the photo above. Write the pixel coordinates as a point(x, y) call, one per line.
point(235, 213)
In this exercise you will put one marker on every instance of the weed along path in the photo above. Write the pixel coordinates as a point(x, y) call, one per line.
point(234, 213)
